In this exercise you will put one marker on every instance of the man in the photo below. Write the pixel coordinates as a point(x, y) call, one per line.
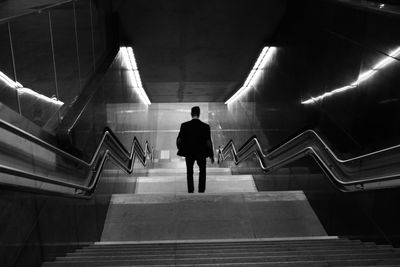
point(194, 143)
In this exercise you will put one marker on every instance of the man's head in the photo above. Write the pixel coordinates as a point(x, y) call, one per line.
point(195, 112)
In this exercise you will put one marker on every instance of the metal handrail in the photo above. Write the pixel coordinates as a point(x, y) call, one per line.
point(376, 170)
point(95, 164)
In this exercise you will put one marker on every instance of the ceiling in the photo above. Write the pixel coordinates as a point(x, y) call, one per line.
point(197, 51)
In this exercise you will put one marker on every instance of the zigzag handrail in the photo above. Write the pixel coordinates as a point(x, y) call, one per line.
point(95, 164)
point(376, 170)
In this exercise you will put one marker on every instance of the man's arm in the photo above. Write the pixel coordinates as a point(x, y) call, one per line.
point(179, 139)
point(209, 143)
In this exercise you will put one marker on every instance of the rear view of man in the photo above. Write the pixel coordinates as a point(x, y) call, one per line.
point(194, 143)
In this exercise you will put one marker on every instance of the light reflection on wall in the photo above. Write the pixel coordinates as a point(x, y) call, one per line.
point(129, 60)
point(26, 91)
point(361, 78)
point(262, 60)
point(8, 81)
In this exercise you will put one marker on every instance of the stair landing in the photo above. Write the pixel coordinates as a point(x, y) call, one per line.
point(173, 181)
point(307, 252)
point(147, 217)
point(178, 184)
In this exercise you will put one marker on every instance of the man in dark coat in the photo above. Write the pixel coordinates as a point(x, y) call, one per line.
point(194, 143)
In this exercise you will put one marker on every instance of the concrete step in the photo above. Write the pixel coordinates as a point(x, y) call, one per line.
point(150, 217)
point(171, 181)
point(233, 249)
point(177, 184)
point(229, 242)
point(328, 251)
point(205, 246)
point(372, 259)
point(340, 263)
point(182, 171)
point(179, 171)
point(244, 253)
point(177, 164)
point(229, 250)
point(116, 185)
point(254, 240)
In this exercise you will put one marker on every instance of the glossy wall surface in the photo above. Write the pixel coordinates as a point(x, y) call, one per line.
point(53, 54)
point(49, 57)
point(39, 227)
point(114, 86)
point(370, 215)
point(322, 46)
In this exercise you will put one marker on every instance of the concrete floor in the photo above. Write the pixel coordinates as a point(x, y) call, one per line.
point(173, 181)
point(177, 184)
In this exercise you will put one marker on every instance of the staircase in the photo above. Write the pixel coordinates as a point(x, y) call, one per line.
point(155, 222)
point(326, 251)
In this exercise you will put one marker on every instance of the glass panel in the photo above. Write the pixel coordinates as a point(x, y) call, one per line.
point(32, 47)
point(62, 19)
point(8, 95)
point(99, 31)
point(84, 40)
point(88, 130)
point(34, 66)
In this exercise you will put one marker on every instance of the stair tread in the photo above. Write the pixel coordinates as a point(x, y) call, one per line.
point(223, 210)
point(233, 244)
point(317, 246)
point(224, 248)
point(228, 251)
point(249, 253)
point(318, 262)
point(228, 241)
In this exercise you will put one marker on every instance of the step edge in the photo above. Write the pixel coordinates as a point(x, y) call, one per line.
point(183, 241)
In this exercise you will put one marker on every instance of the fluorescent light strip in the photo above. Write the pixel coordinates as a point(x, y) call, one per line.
point(361, 78)
point(20, 90)
point(134, 76)
point(251, 79)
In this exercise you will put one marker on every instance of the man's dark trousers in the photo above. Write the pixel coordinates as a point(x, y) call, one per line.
point(201, 162)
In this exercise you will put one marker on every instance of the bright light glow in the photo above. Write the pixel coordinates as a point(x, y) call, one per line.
point(21, 90)
point(134, 77)
point(262, 60)
point(8, 81)
point(361, 78)
point(28, 91)
point(381, 5)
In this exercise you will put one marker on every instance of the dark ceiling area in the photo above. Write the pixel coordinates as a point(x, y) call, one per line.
point(197, 51)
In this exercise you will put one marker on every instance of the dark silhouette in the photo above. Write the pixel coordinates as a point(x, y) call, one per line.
point(194, 143)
